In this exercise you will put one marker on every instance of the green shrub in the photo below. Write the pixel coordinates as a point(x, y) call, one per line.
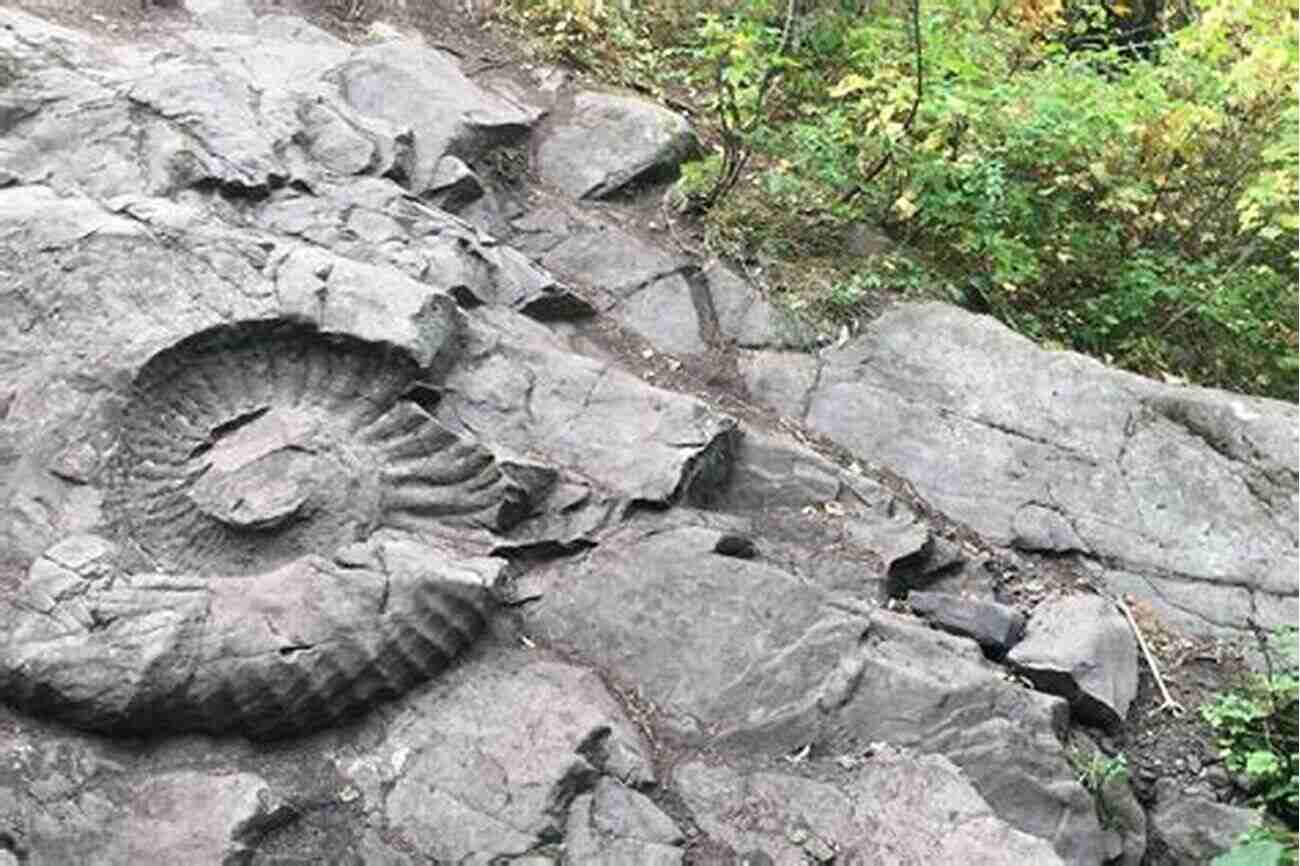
point(1139, 210)
point(1257, 728)
point(1139, 206)
point(1259, 737)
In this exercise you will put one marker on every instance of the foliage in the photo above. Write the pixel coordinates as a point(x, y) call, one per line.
point(1094, 771)
point(1136, 201)
point(1258, 731)
point(1261, 847)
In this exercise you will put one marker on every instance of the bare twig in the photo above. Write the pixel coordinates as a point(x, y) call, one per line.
point(1169, 703)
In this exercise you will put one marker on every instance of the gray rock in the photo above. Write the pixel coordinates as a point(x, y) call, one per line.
point(540, 230)
point(271, 424)
point(489, 763)
point(896, 808)
point(291, 28)
point(782, 380)
point(612, 261)
point(244, 111)
point(1195, 828)
point(192, 817)
point(744, 317)
point(995, 627)
point(1081, 648)
point(609, 142)
point(234, 15)
point(589, 418)
point(739, 546)
point(642, 286)
point(94, 812)
point(453, 185)
point(1191, 489)
point(614, 826)
point(667, 314)
point(407, 85)
point(139, 653)
point(728, 664)
point(742, 655)
point(774, 473)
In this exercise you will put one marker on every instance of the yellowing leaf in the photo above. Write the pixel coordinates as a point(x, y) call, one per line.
point(851, 83)
point(905, 207)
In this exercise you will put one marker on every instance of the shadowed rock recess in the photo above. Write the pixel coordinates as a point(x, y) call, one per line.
point(342, 520)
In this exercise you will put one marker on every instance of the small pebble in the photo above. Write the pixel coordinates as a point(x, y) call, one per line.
point(736, 545)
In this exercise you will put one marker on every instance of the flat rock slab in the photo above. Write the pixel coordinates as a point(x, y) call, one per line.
point(242, 110)
point(1081, 648)
point(1195, 827)
point(744, 316)
point(645, 288)
point(895, 808)
point(488, 763)
point(527, 392)
point(614, 825)
point(742, 655)
point(608, 142)
point(753, 655)
point(1192, 489)
point(995, 627)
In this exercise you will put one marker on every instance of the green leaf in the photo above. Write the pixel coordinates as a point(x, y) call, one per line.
point(1261, 764)
point(1266, 853)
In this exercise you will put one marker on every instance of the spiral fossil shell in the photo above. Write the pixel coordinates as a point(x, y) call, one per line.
point(281, 545)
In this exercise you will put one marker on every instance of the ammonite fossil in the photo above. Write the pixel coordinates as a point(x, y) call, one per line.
point(283, 544)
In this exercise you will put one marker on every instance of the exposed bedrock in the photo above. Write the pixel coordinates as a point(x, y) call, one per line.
point(339, 527)
point(747, 657)
point(276, 507)
point(1183, 496)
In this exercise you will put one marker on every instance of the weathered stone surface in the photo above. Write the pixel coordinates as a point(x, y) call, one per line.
point(1193, 489)
point(615, 826)
point(526, 392)
point(666, 313)
point(608, 142)
point(1194, 827)
point(272, 423)
point(453, 185)
point(769, 642)
point(896, 808)
point(66, 799)
point(782, 380)
point(774, 473)
point(742, 655)
point(642, 286)
point(190, 817)
point(1081, 648)
point(244, 111)
point(489, 762)
point(995, 627)
point(407, 85)
point(744, 317)
point(289, 649)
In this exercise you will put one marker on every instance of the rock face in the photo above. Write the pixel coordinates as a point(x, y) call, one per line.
point(1187, 495)
point(897, 808)
point(1081, 648)
point(335, 529)
point(1195, 828)
point(613, 825)
point(745, 656)
point(607, 142)
point(995, 627)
